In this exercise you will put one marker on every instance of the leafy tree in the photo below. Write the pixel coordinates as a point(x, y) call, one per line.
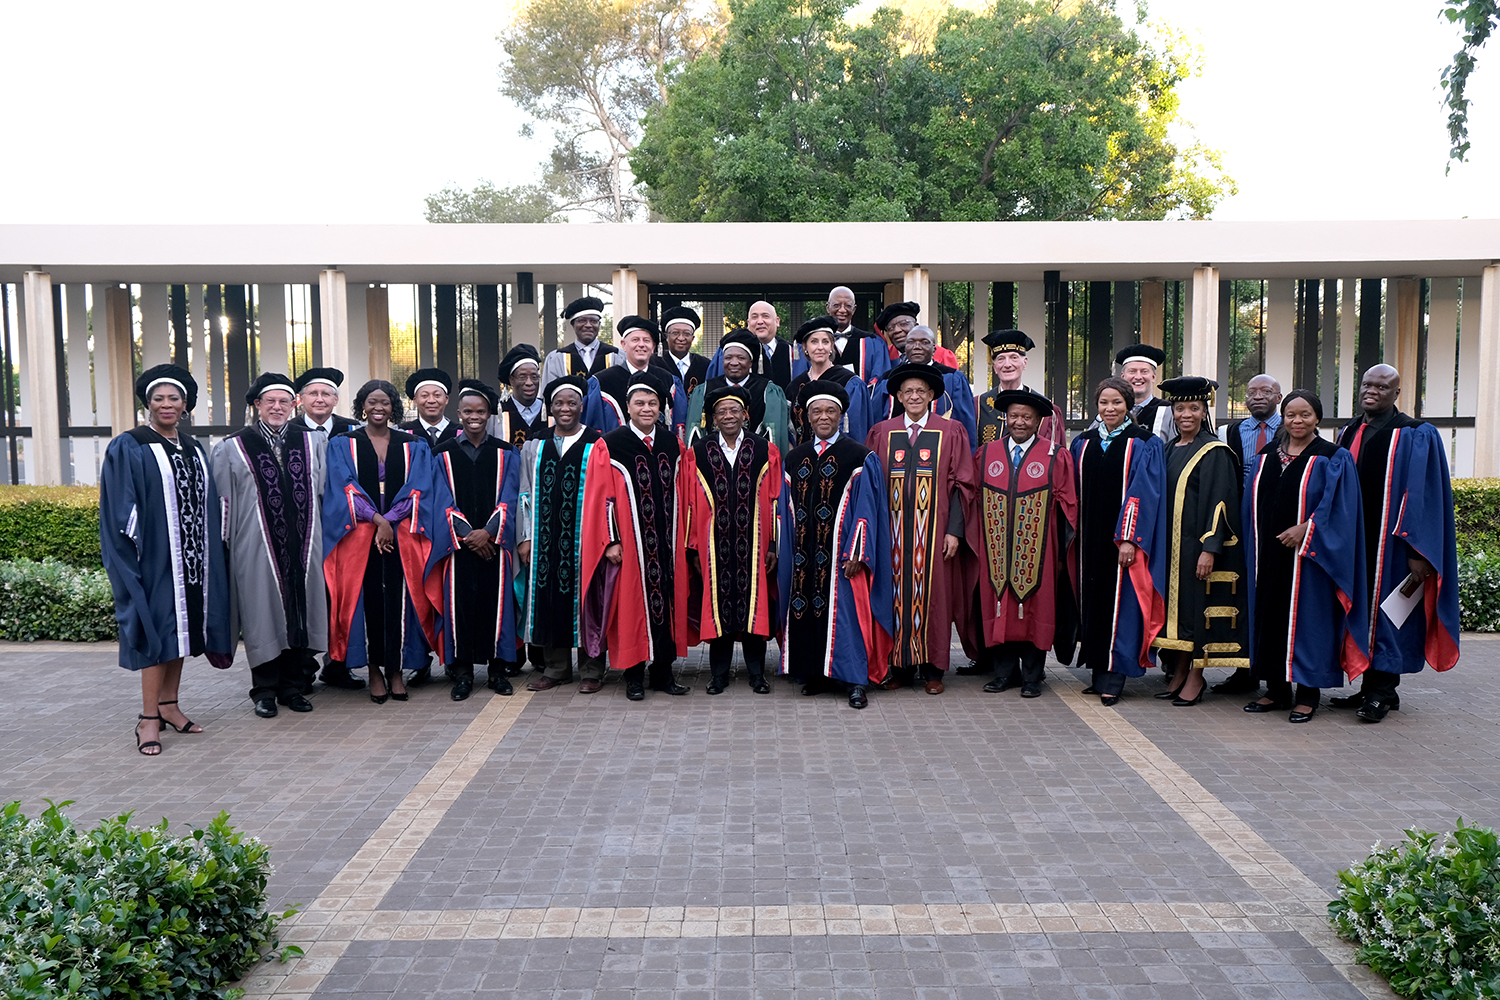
point(1031, 109)
point(1479, 19)
point(487, 203)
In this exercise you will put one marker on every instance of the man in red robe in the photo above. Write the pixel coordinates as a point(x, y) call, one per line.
point(1022, 528)
point(634, 531)
point(929, 474)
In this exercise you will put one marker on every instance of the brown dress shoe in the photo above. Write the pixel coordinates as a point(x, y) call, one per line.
point(935, 686)
point(543, 683)
point(891, 683)
point(589, 686)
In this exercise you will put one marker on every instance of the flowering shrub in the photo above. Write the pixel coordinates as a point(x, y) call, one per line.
point(122, 912)
point(1479, 592)
point(1425, 913)
point(52, 600)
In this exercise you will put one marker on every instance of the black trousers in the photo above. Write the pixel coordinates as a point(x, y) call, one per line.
point(1021, 660)
point(462, 670)
point(1379, 683)
point(1106, 681)
point(721, 656)
point(281, 677)
point(911, 673)
point(661, 675)
point(1282, 691)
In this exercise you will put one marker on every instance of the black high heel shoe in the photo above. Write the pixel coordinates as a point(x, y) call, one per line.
point(395, 695)
point(1181, 702)
point(379, 699)
point(144, 749)
point(175, 728)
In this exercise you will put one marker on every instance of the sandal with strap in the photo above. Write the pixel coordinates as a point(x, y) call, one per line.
point(191, 727)
point(144, 749)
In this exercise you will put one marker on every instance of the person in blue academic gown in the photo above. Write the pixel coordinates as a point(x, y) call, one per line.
point(956, 401)
point(163, 550)
point(386, 535)
point(604, 407)
point(1304, 564)
point(840, 615)
point(1410, 542)
point(815, 337)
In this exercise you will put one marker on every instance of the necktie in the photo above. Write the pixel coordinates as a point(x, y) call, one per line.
point(822, 446)
point(1260, 437)
point(321, 429)
point(647, 441)
point(911, 433)
point(1015, 457)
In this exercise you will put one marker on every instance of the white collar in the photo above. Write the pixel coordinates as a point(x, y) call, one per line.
point(921, 424)
point(655, 429)
point(442, 423)
point(828, 441)
point(1025, 446)
point(631, 368)
point(769, 347)
point(728, 449)
point(312, 424)
point(564, 443)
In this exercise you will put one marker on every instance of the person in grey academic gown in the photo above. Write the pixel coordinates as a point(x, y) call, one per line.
point(270, 479)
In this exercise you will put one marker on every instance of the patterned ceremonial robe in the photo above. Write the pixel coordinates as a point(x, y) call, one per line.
point(634, 495)
point(1022, 527)
point(733, 521)
point(604, 405)
point(991, 422)
point(162, 542)
point(551, 501)
point(478, 597)
point(929, 486)
point(956, 402)
point(273, 529)
point(837, 627)
point(385, 606)
point(768, 410)
point(1119, 500)
point(510, 426)
point(1408, 507)
point(1209, 620)
point(1307, 617)
point(856, 420)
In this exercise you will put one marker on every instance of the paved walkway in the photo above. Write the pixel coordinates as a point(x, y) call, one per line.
point(774, 847)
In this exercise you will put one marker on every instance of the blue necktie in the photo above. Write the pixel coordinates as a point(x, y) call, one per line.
point(1015, 457)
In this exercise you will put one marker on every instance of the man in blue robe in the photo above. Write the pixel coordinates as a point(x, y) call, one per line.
point(840, 615)
point(604, 406)
point(1410, 544)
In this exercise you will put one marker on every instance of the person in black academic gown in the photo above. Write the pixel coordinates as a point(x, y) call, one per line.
point(483, 474)
point(587, 355)
point(679, 328)
point(160, 537)
point(522, 416)
point(428, 389)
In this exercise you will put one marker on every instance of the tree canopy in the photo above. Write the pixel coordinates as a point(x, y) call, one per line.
point(1029, 109)
point(1477, 20)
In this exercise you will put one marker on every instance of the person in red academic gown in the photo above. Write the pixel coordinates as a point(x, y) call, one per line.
point(634, 534)
point(1023, 527)
point(929, 473)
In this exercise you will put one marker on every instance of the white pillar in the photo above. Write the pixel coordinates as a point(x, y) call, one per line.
point(378, 326)
point(356, 366)
point(1348, 335)
point(526, 325)
point(333, 304)
point(1031, 319)
point(1487, 418)
point(270, 315)
point(627, 294)
point(156, 332)
point(1200, 339)
point(1281, 330)
point(44, 450)
point(78, 452)
point(916, 286)
point(113, 305)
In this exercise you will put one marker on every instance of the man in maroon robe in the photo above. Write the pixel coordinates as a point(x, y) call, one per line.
point(1022, 528)
point(929, 474)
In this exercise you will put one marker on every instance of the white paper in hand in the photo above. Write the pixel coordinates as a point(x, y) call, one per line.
point(1398, 606)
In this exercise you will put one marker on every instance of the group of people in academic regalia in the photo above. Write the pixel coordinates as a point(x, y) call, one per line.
point(621, 503)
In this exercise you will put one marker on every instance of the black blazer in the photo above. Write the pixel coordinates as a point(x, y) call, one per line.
point(779, 367)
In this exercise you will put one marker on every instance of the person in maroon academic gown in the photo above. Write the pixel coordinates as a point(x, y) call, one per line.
point(1023, 526)
point(929, 473)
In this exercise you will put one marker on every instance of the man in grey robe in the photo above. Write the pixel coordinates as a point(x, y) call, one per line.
point(270, 480)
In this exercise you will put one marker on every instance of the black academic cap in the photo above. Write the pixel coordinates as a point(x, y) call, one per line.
point(716, 396)
point(1006, 398)
point(432, 376)
point(629, 323)
point(586, 306)
point(822, 389)
point(517, 355)
point(1141, 352)
point(745, 340)
point(812, 326)
point(678, 314)
point(474, 387)
point(173, 374)
point(577, 383)
point(926, 373)
point(269, 380)
point(1187, 388)
point(653, 380)
point(330, 376)
point(890, 312)
point(1008, 340)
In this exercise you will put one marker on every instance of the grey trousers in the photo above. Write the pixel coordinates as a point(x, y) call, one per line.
point(559, 664)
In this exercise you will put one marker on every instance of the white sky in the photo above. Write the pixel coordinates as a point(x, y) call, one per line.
point(343, 113)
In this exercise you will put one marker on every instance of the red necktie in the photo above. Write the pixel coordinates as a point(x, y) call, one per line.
point(1260, 437)
point(911, 433)
point(647, 440)
point(822, 445)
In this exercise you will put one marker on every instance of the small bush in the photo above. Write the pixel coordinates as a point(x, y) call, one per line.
point(1479, 592)
point(57, 522)
point(51, 600)
point(1476, 513)
point(122, 912)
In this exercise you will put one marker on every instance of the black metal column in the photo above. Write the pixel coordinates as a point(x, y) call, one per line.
point(1002, 306)
point(1101, 341)
point(236, 347)
point(316, 311)
point(487, 327)
point(446, 300)
point(424, 326)
point(1126, 320)
point(1057, 347)
point(182, 334)
point(7, 392)
point(1368, 352)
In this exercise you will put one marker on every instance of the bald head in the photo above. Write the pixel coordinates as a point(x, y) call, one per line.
point(763, 321)
point(841, 307)
point(920, 344)
point(1262, 396)
point(1378, 390)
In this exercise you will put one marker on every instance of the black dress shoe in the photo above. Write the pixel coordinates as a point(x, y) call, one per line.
point(1256, 707)
point(1031, 691)
point(335, 678)
point(461, 690)
point(265, 708)
point(423, 676)
point(1348, 701)
point(970, 670)
point(513, 670)
point(675, 689)
point(1091, 690)
point(1301, 716)
point(1239, 682)
point(1109, 700)
point(715, 687)
point(635, 692)
point(1373, 710)
point(997, 685)
point(297, 703)
point(808, 691)
point(500, 685)
point(760, 687)
point(857, 698)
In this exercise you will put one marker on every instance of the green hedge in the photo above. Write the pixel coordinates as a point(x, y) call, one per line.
point(52, 600)
point(122, 912)
point(1476, 514)
point(57, 522)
